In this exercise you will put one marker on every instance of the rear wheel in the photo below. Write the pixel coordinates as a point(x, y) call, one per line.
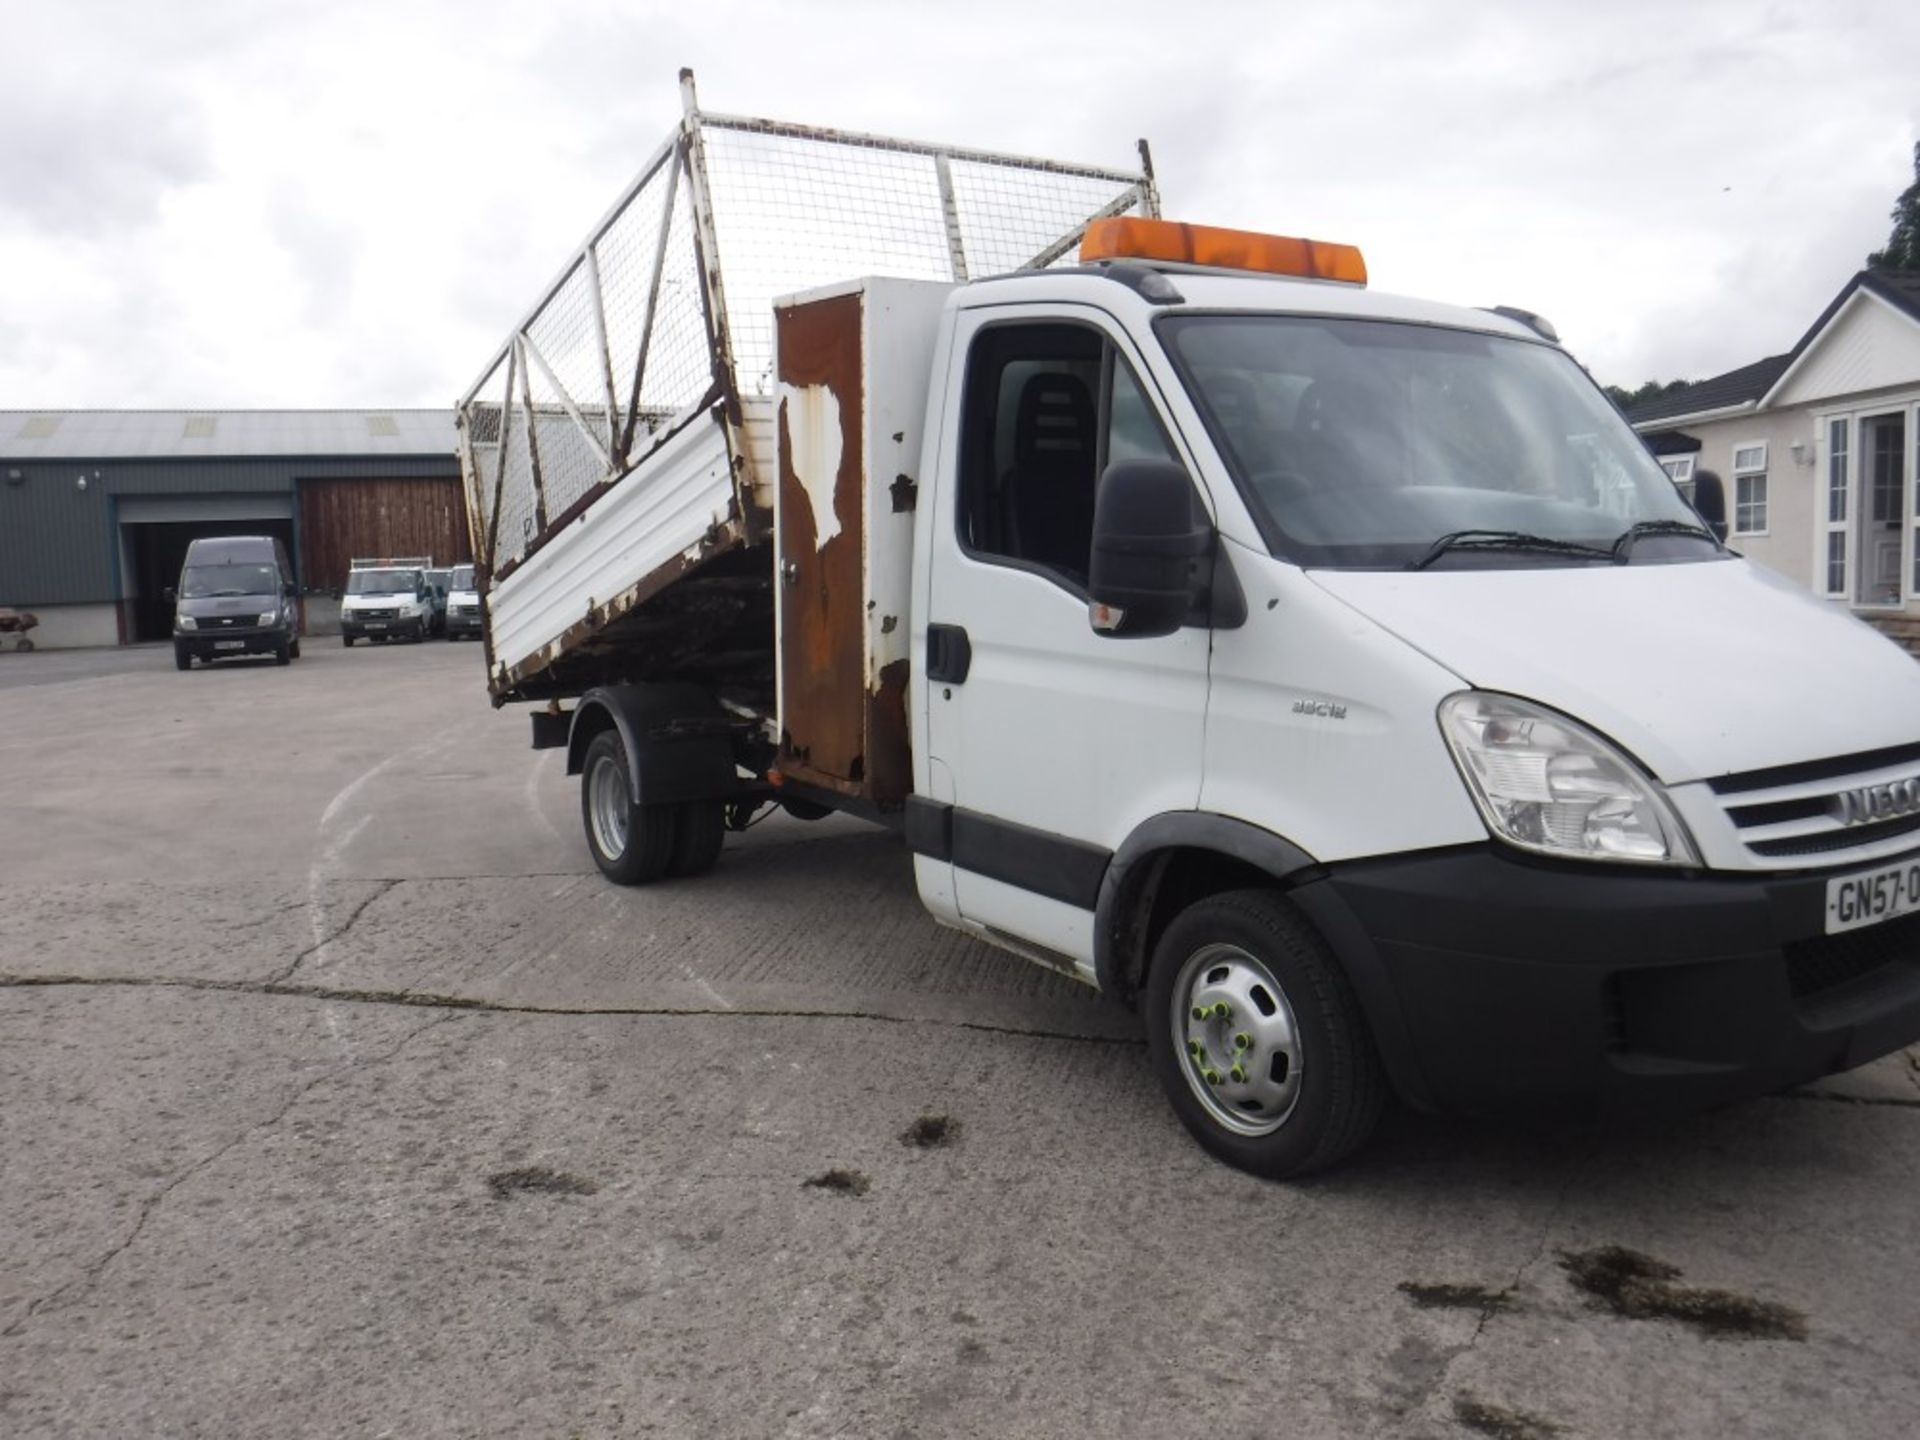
point(1258, 1038)
point(632, 844)
point(697, 840)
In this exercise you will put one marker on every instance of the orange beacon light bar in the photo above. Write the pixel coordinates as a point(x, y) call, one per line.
point(1130, 237)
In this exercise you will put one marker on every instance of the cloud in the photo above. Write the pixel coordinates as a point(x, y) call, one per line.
point(233, 202)
point(93, 156)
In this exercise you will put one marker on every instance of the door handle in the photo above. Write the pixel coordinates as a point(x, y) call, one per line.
point(949, 654)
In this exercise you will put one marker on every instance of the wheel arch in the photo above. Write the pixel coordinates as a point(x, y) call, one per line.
point(1172, 860)
point(673, 734)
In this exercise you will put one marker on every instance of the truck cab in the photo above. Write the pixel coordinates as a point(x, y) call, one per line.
point(1464, 735)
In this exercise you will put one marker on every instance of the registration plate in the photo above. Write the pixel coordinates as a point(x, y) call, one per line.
point(1872, 896)
point(376, 624)
point(229, 644)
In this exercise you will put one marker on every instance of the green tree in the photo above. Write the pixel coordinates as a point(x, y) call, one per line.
point(1903, 245)
point(1626, 399)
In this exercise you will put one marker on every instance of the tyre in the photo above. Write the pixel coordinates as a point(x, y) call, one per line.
point(1258, 1038)
point(283, 654)
point(632, 844)
point(294, 649)
point(347, 640)
point(698, 837)
point(182, 658)
point(420, 633)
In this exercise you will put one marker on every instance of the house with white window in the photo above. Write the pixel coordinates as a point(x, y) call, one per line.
point(1818, 451)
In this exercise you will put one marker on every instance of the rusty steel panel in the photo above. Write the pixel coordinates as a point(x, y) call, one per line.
point(340, 519)
point(820, 522)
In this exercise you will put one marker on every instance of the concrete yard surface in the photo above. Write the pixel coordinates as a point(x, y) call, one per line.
point(340, 1096)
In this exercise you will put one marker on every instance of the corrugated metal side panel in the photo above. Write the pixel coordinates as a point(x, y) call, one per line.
point(340, 519)
point(58, 543)
point(758, 422)
point(652, 519)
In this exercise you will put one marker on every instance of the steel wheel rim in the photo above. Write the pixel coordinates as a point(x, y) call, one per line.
point(607, 804)
point(1242, 1062)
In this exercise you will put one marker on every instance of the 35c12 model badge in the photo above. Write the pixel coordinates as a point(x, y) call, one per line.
point(1325, 709)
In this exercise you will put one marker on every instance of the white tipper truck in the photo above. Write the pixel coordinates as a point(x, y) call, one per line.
point(1329, 675)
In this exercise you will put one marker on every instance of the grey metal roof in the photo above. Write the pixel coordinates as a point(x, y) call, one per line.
point(190, 434)
point(1747, 384)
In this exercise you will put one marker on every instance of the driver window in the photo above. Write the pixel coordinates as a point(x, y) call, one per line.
point(1047, 407)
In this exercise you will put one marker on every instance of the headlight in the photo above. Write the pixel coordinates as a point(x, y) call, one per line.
point(1550, 785)
point(268, 617)
point(186, 622)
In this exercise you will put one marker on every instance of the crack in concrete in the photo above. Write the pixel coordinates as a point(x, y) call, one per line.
point(425, 1000)
point(83, 1284)
point(1832, 1097)
point(339, 932)
point(1498, 1303)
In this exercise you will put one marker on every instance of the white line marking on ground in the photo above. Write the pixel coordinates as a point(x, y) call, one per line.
point(714, 997)
point(531, 790)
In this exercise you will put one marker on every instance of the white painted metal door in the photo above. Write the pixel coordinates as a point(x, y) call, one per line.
point(1058, 741)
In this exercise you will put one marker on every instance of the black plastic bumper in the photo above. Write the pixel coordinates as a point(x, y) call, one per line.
point(216, 644)
point(463, 624)
point(1496, 985)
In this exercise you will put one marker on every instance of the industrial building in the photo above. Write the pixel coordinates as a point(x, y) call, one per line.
point(97, 506)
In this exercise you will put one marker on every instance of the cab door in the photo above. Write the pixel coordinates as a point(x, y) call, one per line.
point(1050, 742)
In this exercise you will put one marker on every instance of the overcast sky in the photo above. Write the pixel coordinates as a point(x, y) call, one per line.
point(230, 203)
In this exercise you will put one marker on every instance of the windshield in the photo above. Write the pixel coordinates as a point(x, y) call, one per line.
point(460, 578)
point(383, 582)
point(1363, 442)
point(203, 582)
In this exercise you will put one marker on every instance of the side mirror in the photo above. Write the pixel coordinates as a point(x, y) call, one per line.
point(168, 595)
point(1148, 540)
point(1710, 502)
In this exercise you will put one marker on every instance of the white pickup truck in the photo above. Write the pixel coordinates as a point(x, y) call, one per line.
point(1328, 674)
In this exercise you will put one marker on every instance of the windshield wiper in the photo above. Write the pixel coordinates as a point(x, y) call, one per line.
point(1506, 540)
point(1623, 546)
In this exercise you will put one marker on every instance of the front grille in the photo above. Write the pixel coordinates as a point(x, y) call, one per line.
point(1827, 962)
point(228, 622)
point(1850, 838)
point(378, 614)
point(1804, 810)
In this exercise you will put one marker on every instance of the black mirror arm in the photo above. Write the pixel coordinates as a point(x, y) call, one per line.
point(1224, 599)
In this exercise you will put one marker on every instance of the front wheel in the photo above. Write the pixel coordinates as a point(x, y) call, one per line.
point(347, 640)
point(1258, 1038)
point(294, 649)
point(182, 658)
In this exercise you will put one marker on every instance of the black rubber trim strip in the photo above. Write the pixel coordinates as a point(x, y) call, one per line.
point(1839, 767)
point(1052, 865)
point(929, 828)
point(1055, 866)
